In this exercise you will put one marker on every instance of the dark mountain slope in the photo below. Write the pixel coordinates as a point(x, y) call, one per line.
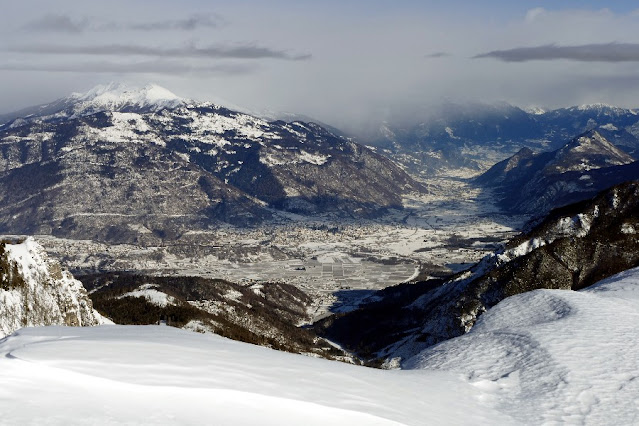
point(266, 314)
point(144, 166)
point(572, 248)
point(536, 183)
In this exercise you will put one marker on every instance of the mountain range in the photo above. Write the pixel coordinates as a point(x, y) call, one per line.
point(142, 165)
point(535, 183)
point(472, 137)
point(513, 339)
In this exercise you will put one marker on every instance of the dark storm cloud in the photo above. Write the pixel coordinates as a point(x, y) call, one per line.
point(150, 67)
point(438, 55)
point(608, 52)
point(234, 52)
point(67, 24)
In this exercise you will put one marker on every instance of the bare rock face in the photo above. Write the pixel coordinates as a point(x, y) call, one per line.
point(36, 291)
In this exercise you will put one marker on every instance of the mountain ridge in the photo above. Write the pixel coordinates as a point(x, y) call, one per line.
point(154, 173)
point(534, 183)
point(572, 248)
point(466, 139)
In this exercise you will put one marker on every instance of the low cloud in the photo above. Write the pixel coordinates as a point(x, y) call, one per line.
point(608, 52)
point(149, 67)
point(438, 55)
point(232, 52)
point(67, 24)
point(57, 24)
point(188, 24)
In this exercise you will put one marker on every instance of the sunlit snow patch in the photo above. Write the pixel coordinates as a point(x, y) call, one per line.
point(152, 295)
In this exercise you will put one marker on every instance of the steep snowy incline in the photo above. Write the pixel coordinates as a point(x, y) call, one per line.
point(554, 356)
point(160, 375)
point(36, 291)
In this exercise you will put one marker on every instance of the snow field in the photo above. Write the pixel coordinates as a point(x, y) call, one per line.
point(543, 357)
point(160, 375)
point(554, 356)
point(152, 295)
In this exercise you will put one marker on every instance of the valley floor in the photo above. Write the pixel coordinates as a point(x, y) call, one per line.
point(448, 229)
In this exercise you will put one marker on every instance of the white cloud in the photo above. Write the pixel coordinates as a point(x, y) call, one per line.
point(366, 62)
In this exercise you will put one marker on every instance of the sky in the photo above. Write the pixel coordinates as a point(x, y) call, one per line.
point(341, 62)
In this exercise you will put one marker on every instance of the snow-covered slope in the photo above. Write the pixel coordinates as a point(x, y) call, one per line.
point(543, 357)
point(554, 356)
point(35, 291)
point(160, 375)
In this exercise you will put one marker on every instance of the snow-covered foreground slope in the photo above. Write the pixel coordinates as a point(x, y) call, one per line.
point(554, 356)
point(160, 375)
point(543, 357)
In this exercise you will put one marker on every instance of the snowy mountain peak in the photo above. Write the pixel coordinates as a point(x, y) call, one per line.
point(535, 110)
point(118, 96)
point(591, 140)
point(589, 151)
point(595, 106)
point(605, 109)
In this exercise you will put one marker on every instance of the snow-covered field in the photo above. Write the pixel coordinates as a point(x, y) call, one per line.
point(554, 356)
point(544, 357)
point(159, 375)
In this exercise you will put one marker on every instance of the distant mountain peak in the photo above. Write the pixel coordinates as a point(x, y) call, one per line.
point(535, 110)
point(593, 140)
point(602, 108)
point(590, 150)
point(114, 96)
point(596, 105)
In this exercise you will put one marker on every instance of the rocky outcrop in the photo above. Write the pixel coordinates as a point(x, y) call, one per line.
point(36, 291)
